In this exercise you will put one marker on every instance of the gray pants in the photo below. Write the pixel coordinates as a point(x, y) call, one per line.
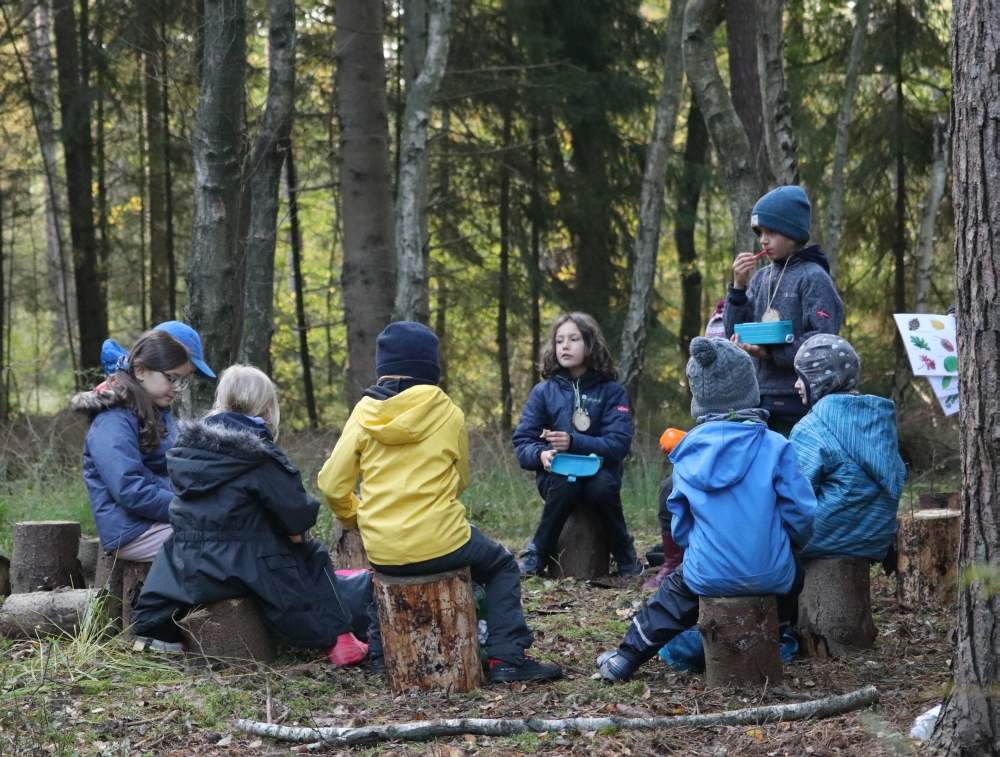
point(493, 568)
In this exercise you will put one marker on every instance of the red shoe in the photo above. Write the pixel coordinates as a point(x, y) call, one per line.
point(347, 651)
point(673, 556)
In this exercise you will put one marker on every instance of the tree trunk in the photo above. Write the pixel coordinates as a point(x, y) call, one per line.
point(534, 274)
point(835, 608)
point(740, 636)
point(4, 576)
point(229, 632)
point(301, 324)
point(44, 556)
point(925, 243)
point(928, 544)
point(688, 194)
point(269, 152)
point(832, 246)
point(412, 189)
point(368, 275)
point(103, 220)
point(728, 134)
point(430, 631)
point(647, 240)
point(904, 373)
point(582, 551)
point(349, 549)
point(414, 38)
point(74, 105)
point(49, 613)
point(503, 298)
point(168, 180)
point(776, 107)
point(745, 85)
point(970, 722)
point(153, 56)
point(218, 160)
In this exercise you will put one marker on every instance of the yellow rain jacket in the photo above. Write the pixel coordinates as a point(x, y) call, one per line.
point(412, 452)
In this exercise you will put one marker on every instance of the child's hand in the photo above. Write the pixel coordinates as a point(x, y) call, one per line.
point(753, 350)
point(743, 269)
point(559, 440)
point(547, 456)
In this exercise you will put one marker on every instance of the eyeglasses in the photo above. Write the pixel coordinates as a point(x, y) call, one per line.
point(177, 383)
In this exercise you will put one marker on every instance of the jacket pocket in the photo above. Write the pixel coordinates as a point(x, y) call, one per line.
point(276, 562)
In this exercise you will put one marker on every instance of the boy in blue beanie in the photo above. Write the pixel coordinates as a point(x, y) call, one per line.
point(795, 287)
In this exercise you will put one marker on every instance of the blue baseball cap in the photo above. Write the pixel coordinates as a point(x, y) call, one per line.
point(190, 339)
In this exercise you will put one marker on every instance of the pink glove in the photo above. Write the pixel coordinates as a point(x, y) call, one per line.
point(347, 651)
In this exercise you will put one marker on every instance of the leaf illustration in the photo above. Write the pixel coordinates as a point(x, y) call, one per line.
point(946, 382)
point(929, 365)
point(937, 324)
point(919, 342)
point(949, 401)
point(951, 364)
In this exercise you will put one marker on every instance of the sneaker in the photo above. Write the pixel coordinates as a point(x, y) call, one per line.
point(630, 567)
point(375, 666)
point(501, 671)
point(149, 644)
point(531, 563)
point(615, 667)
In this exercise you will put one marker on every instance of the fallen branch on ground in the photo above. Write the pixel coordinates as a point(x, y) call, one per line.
point(429, 729)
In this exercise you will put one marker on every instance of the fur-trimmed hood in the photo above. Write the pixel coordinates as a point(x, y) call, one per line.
point(95, 402)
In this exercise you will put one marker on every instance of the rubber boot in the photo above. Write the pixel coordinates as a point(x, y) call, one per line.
point(673, 556)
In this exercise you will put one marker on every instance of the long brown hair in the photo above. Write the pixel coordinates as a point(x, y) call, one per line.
point(155, 351)
point(596, 354)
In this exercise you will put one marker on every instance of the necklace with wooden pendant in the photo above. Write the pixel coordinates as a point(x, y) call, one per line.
point(581, 421)
point(771, 315)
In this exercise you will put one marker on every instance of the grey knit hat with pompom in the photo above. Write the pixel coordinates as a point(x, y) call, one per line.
point(721, 378)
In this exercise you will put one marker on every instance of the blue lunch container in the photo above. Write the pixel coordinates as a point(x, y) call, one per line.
point(776, 332)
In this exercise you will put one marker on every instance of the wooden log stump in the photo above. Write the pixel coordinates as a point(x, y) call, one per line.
point(88, 553)
point(133, 577)
point(583, 551)
point(429, 631)
point(230, 632)
point(940, 501)
point(4, 576)
point(927, 542)
point(122, 580)
point(61, 612)
point(740, 636)
point(348, 549)
point(44, 556)
point(835, 609)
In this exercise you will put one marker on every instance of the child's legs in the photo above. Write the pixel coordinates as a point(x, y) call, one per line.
point(663, 514)
point(144, 548)
point(669, 612)
point(788, 604)
point(604, 492)
point(561, 497)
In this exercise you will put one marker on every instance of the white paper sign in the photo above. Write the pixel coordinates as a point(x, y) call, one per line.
point(930, 343)
point(943, 386)
point(949, 404)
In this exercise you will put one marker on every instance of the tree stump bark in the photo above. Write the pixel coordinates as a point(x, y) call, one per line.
point(349, 550)
point(44, 556)
point(230, 632)
point(940, 501)
point(4, 576)
point(88, 554)
point(61, 612)
point(429, 631)
point(133, 577)
point(927, 542)
point(835, 609)
point(740, 636)
point(122, 580)
point(583, 551)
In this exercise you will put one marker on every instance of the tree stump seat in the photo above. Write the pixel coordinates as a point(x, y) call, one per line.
point(349, 550)
point(835, 609)
point(583, 551)
point(227, 633)
point(927, 573)
point(430, 633)
point(44, 556)
point(740, 637)
point(59, 612)
point(122, 580)
point(89, 553)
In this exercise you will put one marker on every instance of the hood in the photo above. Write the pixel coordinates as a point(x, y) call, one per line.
point(717, 455)
point(812, 254)
point(408, 417)
point(588, 379)
point(865, 426)
point(390, 386)
point(213, 451)
point(93, 403)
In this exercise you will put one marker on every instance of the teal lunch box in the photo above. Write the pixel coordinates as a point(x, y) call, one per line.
point(572, 466)
point(776, 332)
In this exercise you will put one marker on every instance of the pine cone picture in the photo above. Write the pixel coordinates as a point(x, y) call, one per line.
point(914, 324)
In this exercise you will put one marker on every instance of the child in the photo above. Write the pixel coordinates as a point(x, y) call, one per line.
point(408, 442)
point(124, 458)
point(239, 520)
point(739, 504)
point(582, 410)
point(848, 449)
point(795, 287)
point(672, 554)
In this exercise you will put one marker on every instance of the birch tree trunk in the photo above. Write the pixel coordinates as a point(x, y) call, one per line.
point(688, 194)
point(925, 241)
point(413, 165)
point(777, 107)
point(832, 246)
point(269, 153)
point(647, 239)
point(970, 721)
point(369, 273)
point(218, 147)
point(728, 135)
point(414, 52)
point(74, 106)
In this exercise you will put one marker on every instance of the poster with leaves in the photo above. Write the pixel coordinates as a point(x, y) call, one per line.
point(930, 343)
point(945, 388)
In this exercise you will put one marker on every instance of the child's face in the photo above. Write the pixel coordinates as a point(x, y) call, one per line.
point(570, 347)
point(164, 386)
point(777, 246)
point(801, 389)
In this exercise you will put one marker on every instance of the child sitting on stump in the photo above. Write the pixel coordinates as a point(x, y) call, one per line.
point(408, 442)
point(739, 504)
point(849, 451)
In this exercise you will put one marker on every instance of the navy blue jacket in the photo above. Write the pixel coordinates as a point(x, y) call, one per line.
point(129, 491)
point(550, 406)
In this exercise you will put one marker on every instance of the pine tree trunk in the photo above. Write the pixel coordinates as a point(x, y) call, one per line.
point(777, 108)
point(411, 193)
point(925, 243)
point(927, 569)
point(44, 556)
point(414, 31)
point(368, 275)
point(688, 194)
point(301, 324)
point(503, 299)
point(647, 241)
point(835, 608)
point(217, 150)
point(269, 153)
point(729, 137)
point(153, 55)
point(970, 722)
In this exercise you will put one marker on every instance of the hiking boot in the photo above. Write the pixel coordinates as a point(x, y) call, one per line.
point(149, 644)
point(501, 671)
point(531, 563)
point(347, 651)
point(673, 556)
point(615, 667)
point(375, 666)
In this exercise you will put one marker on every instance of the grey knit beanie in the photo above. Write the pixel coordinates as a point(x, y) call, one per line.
point(827, 364)
point(721, 378)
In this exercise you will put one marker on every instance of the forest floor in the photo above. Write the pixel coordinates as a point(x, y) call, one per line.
point(94, 697)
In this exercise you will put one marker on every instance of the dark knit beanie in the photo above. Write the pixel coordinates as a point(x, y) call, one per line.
point(407, 349)
point(721, 377)
point(785, 210)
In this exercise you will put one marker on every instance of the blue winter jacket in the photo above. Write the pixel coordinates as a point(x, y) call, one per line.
point(739, 501)
point(849, 452)
point(129, 491)
point(550, 406)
